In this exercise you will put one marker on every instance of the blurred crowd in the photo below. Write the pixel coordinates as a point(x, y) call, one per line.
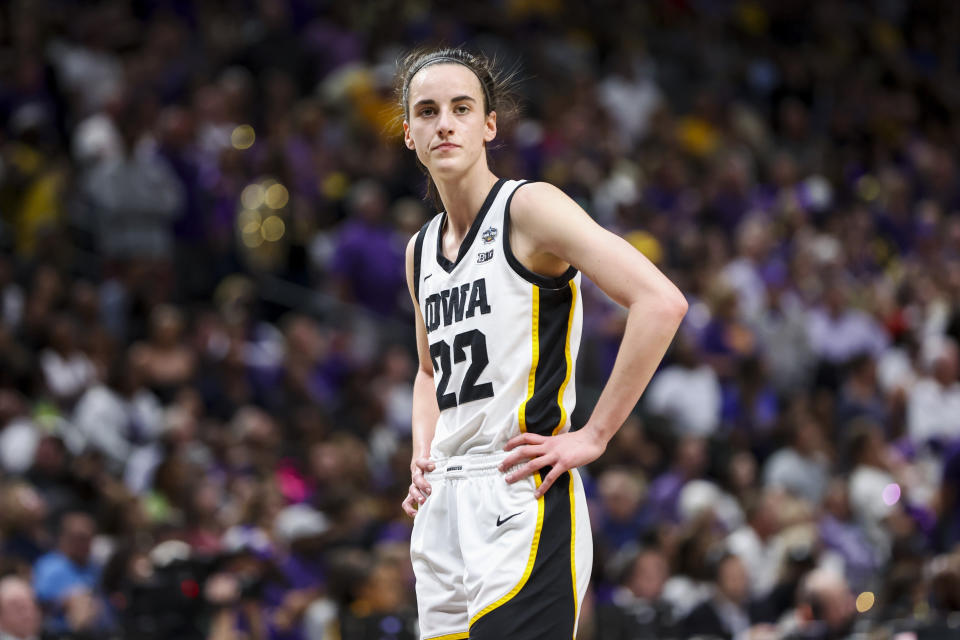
point(206, 342)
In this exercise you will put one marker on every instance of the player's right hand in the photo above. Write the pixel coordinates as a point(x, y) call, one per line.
point(419, 487)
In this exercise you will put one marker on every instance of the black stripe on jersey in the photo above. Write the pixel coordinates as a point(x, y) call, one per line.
point(545, 607)
point(542, 412)
point(522, 271)
point(471, 234)
point(417, 251)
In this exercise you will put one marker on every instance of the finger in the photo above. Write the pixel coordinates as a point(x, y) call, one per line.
point(421, 483)
point(528, 452)
point(528, 469)
point(548, 481)
point(408, 507)
point(425, 464)
point(524, 438)
point(416, 494)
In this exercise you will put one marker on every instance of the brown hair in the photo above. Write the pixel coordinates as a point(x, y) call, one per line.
point(497, 86)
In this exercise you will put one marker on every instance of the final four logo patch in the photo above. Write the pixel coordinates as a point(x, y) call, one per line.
point(489, 235)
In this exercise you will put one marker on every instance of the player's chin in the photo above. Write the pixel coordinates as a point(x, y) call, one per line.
point(450, 164)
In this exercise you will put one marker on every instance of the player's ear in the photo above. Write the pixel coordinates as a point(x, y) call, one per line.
point(407, 139)
point(490, 127)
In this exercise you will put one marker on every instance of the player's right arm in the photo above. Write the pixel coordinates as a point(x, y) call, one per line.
point(426, 412)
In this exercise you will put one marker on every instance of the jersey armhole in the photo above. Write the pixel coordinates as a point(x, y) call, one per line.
point(533, 278)
point(417, 252)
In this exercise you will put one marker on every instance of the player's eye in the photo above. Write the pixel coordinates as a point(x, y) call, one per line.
point(461, 108)
point(426, 112)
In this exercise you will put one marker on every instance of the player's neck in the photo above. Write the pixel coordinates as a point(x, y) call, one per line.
point(463, 197)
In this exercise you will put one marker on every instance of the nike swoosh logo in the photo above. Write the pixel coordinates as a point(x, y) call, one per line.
point(427, 277)
point(500, 522)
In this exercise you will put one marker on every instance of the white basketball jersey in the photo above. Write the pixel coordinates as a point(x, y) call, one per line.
point(503, 340)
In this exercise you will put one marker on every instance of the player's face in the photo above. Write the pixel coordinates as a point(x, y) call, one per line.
point(446, 124)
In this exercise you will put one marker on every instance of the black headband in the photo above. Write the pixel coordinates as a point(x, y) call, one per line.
point(438, 59)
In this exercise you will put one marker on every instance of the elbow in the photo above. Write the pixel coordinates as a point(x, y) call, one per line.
point(669, 307)
point(678, 306)
point(674, 309)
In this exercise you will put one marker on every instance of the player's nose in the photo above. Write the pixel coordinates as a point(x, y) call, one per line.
point(445, 122)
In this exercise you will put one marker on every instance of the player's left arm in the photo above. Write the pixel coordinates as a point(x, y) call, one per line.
point(555, 231)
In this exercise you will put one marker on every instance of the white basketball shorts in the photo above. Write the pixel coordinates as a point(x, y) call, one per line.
point(493, 562)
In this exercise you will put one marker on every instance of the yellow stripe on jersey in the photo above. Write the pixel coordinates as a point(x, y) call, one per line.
point(530, 560)
point(535, 359)
point(463, 635)
point(566, 353)
point(573, 544)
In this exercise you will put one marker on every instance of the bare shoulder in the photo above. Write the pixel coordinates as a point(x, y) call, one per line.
point(411, 249)
point(534, 201)
point(410, 261)
point(550, 221)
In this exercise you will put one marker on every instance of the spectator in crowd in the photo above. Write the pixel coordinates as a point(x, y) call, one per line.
point(802, 467)
point(845, 540)
point(167, 363)
point(934, 401)
point(66, 579)
point(117, 417)
point(839, 332)
point(757, 545)
point(861, 394)
point(20, 617)
point(621, 494)
point(869, 478)
point(67, 370)
point(638, 611)
point(825, 608)
point(134, 197)
point(24, 516)
point(687, 392)
point(725, 614)
point(369, 252)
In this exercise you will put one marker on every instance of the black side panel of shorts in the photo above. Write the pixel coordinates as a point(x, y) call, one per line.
point(544, 608)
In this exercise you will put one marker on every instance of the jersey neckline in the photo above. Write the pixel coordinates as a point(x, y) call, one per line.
point(442, 260)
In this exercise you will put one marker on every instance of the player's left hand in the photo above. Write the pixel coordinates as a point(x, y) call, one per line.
point(562, 452)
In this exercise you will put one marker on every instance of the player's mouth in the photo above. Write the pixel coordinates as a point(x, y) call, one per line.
point(446, 146)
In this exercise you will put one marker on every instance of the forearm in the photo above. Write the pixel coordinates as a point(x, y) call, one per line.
point(649, 331)
point(425, 414)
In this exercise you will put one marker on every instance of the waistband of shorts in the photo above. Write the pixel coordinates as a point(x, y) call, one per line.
point(469, 465)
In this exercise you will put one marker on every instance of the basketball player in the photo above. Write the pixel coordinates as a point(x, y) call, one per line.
point(501, 542)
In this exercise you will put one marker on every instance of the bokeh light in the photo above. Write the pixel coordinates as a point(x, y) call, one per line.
point(252, 240)
point(891, 494)
point(272, 229)
point(868, 188)
point(243, 137)
point(249, 218)
point(276, 196)
point(252, 196)
point(865, 601)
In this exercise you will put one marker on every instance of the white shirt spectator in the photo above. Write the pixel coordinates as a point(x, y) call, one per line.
point(631, 102)
point(690, 397)
point(743, 276)
point(18, 444)
point(933, 411)
point(116, 425)
point(762, 560)
point(805, 477)
point(837, 338)
point(868, 506)
point(785, 344)
point(66, 376)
